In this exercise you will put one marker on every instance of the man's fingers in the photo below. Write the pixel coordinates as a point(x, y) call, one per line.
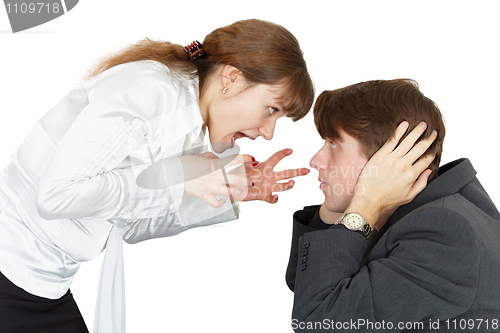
point(419, 185)
point(391, 144)
point(410, 140)
point(420, 148)
point(423, 163)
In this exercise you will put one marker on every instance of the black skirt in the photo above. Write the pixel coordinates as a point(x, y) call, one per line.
point(22, 312)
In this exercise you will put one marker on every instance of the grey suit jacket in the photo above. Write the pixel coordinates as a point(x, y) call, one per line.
point(434, 266)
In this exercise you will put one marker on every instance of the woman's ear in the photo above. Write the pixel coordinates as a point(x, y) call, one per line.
point(230, 75)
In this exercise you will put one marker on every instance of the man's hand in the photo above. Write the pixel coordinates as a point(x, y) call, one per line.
point(394, 175)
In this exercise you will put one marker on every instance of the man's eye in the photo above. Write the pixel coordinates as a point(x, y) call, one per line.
point(272, 110)
point(333, 144)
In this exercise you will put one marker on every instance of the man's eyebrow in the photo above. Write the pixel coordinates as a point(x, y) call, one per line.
point(336, 141)
point(339, 139)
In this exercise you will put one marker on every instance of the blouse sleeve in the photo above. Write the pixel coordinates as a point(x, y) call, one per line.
point(82, 179)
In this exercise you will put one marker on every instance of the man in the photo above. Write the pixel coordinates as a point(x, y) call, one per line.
point(431, 265)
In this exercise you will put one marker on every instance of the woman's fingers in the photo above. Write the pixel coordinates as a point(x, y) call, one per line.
point(277, 157)
point(257, 181)
point(209, 155)
point(212, 200)
point(233, 192)
point(232, 160)
point(281, 187)
point(276, 187)
point(271, 198)
point(238, 181)
point(256, 193)
point(286, 174)
point(252, 165)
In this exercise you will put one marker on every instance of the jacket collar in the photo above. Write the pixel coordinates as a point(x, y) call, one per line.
point(452, 177)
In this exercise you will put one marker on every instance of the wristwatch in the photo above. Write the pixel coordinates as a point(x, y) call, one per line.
point(354, 221)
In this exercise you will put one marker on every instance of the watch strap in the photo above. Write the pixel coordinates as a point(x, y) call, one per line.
point(365, 228)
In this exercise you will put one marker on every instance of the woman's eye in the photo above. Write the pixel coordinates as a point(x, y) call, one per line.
point(272, 110)
point(333, 144)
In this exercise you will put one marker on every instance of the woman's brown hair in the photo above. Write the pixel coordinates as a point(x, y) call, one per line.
point(266, 53)
point(370, 111)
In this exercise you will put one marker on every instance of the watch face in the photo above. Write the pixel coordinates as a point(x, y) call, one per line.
point(353, 221)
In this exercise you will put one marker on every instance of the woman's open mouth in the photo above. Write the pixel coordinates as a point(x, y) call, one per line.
point(239, 135)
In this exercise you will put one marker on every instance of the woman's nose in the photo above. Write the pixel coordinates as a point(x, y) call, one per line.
point(267, 131)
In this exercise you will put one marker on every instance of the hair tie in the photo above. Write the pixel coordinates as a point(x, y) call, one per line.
point(194, 50)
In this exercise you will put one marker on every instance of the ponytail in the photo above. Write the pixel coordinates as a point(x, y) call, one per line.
point(171, 55)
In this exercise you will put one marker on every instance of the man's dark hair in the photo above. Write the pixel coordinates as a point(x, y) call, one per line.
point(371, 111)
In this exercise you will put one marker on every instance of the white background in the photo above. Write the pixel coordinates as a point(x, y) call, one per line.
point(230, 277)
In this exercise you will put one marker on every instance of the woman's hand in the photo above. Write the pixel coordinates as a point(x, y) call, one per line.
point(264, 180)
point(249, 181)
point(205, 177)
point(392, 178)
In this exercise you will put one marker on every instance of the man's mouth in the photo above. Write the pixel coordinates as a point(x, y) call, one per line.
point(322, 183)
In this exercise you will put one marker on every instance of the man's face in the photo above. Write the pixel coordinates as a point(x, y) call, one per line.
point(339, 163)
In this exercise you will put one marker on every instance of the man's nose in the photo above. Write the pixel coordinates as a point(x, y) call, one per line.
point(317, 161)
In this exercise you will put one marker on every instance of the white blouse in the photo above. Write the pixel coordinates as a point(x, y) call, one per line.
point(75, 174)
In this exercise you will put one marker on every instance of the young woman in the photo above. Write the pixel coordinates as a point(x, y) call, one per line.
point(89, 164)
point(121, 157)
